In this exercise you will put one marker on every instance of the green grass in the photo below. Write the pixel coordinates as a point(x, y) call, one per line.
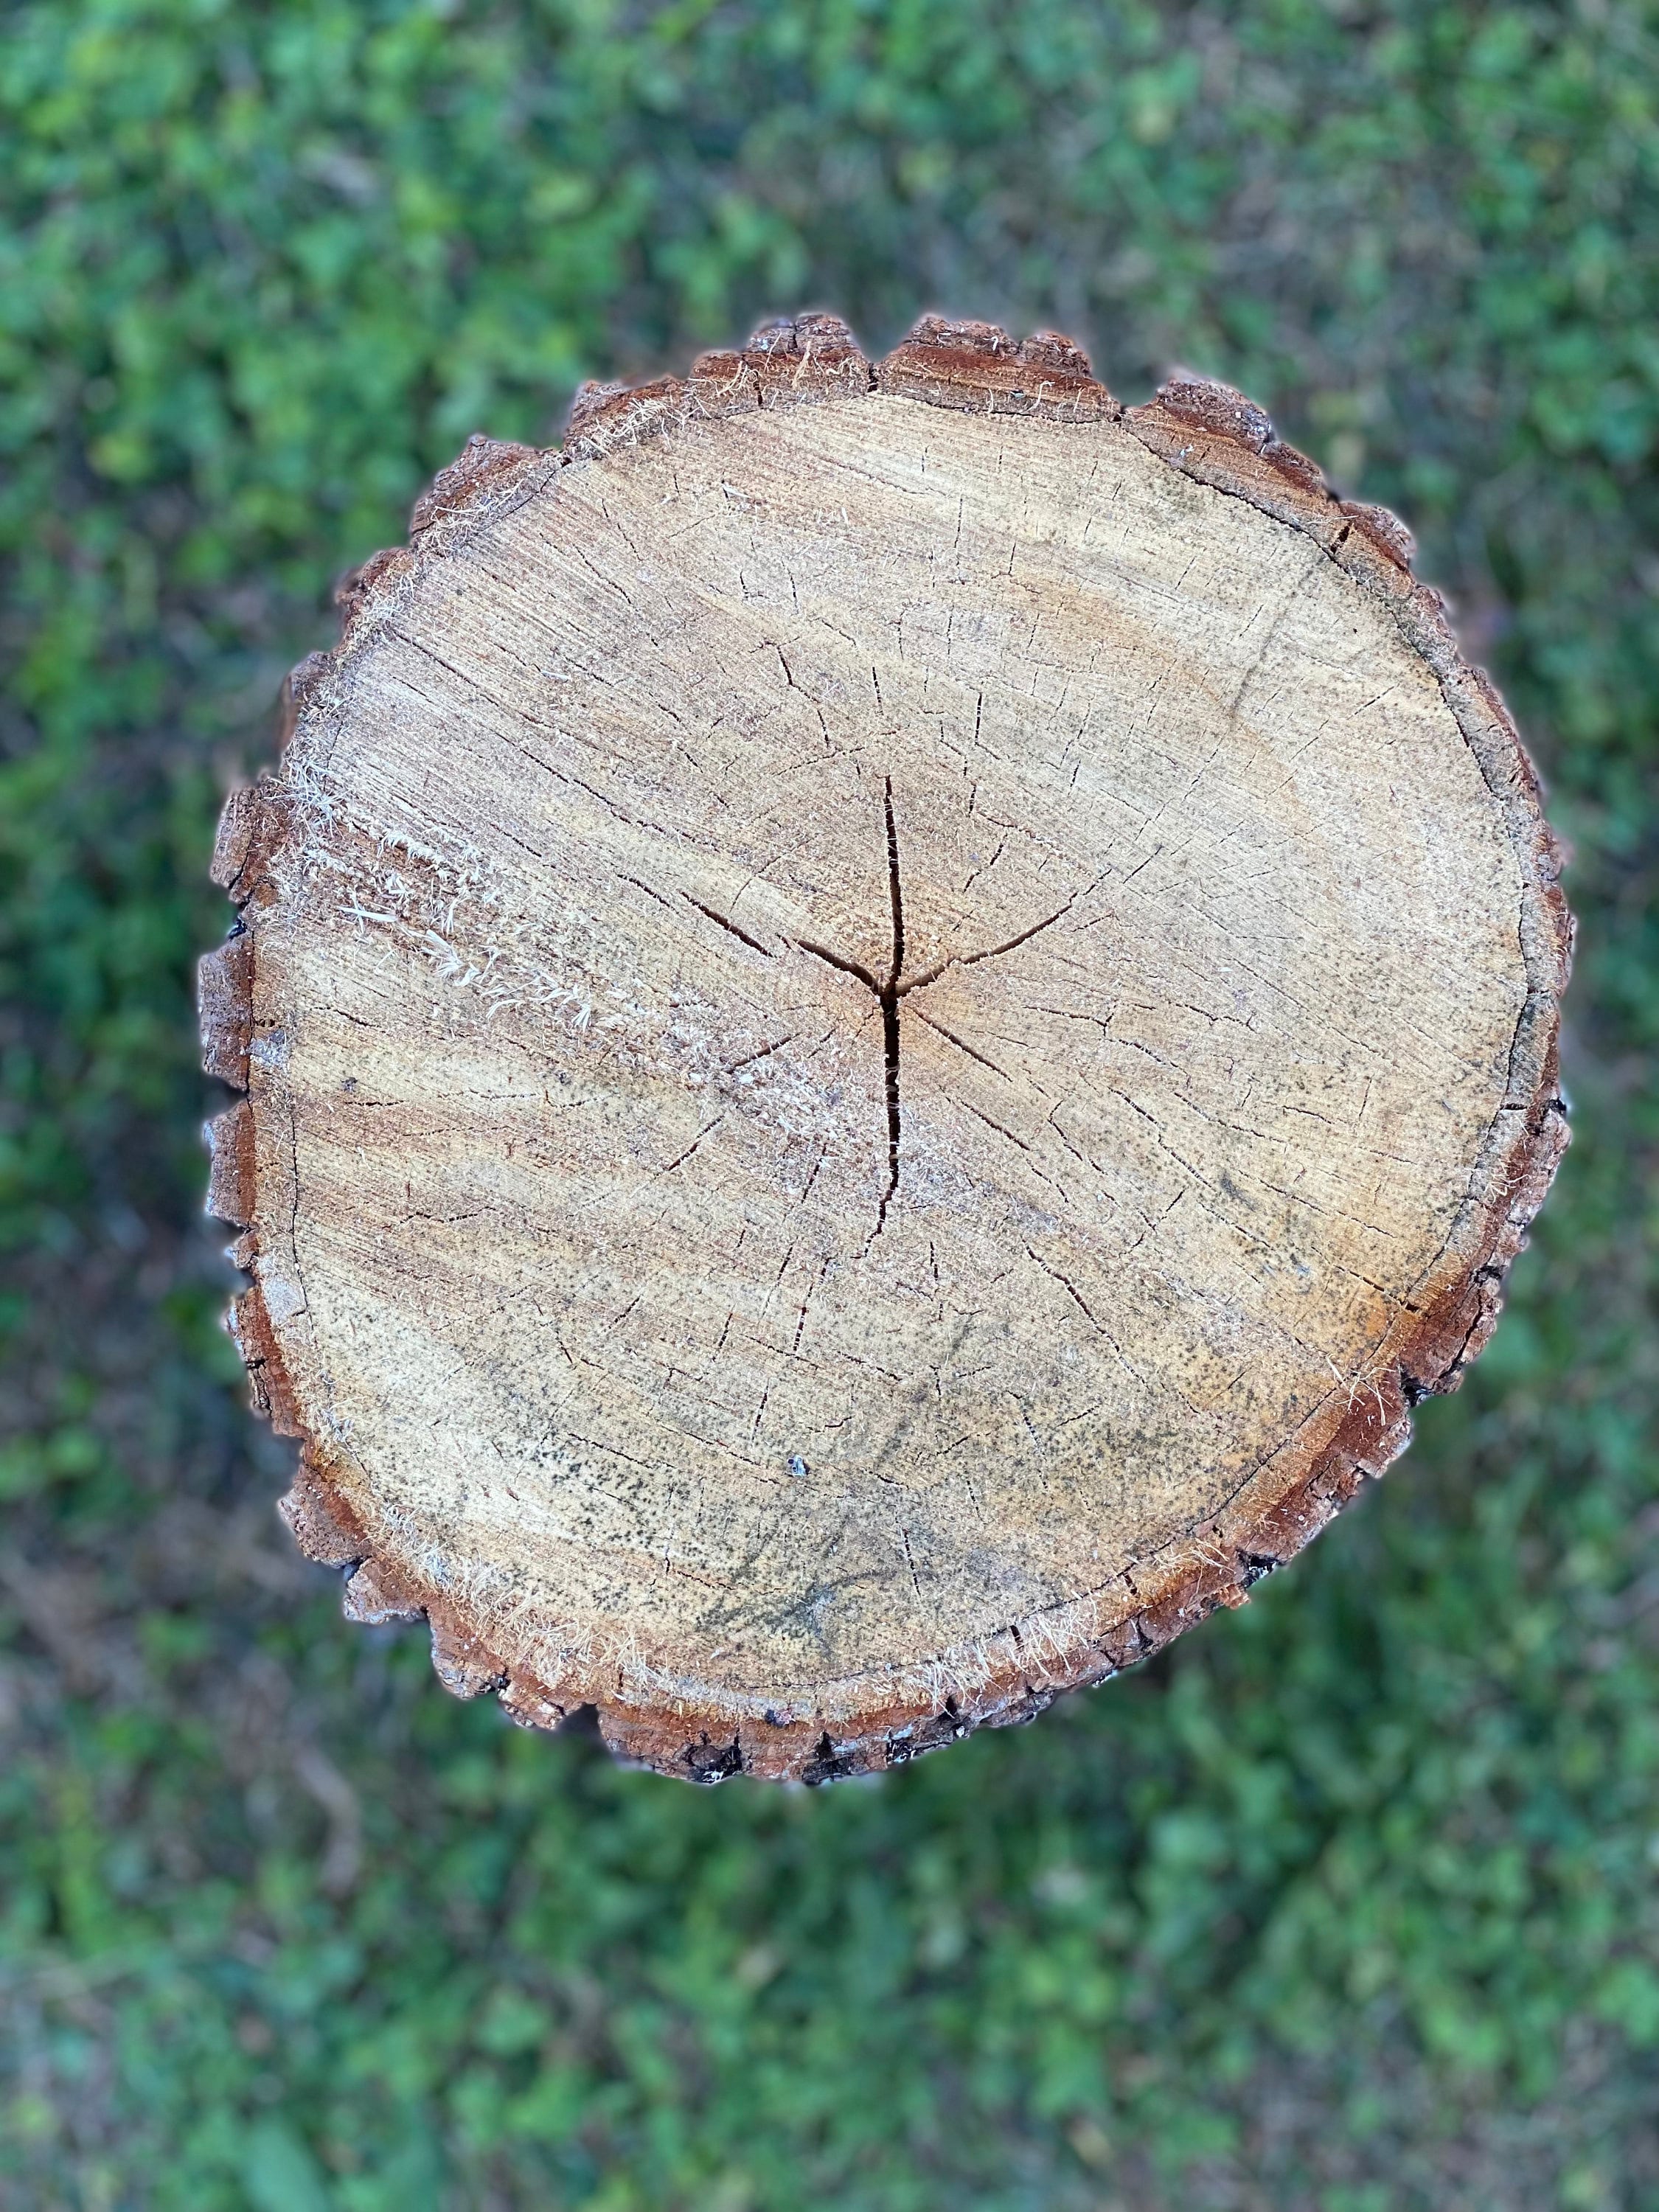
point(1350, 1902)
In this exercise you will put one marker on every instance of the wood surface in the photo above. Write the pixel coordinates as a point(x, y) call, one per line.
point(890, 1015)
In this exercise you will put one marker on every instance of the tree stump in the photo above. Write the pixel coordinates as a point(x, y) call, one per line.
point(890, 1017)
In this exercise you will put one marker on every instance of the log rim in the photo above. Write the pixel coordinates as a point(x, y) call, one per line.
point(883, 1716)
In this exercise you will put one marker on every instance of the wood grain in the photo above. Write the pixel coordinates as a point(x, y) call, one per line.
point(890, 1018)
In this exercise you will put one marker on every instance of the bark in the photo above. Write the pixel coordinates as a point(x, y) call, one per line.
point(891, 1016)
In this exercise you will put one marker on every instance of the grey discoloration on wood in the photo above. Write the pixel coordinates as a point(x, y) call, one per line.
point(889, 1016)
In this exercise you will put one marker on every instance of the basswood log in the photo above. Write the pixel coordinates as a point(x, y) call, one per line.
point(890, 1017)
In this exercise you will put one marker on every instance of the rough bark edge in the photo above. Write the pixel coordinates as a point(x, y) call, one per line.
point(865, 1723)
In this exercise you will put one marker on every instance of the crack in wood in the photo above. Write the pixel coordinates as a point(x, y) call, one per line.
point(888, 993)
point(726, 922)
point(889, 996)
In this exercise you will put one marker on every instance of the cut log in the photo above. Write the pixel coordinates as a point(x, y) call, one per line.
point(890, 1017)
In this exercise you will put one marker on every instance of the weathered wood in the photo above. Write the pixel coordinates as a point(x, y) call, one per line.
point(891, 1016)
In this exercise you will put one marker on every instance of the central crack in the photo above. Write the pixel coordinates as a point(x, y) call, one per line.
point(887, 995)
point(887, 992)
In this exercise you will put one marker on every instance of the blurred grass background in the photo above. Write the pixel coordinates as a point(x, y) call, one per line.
point(1351, 1901)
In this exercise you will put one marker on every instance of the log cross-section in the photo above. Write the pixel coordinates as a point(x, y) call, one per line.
point(889, 1016)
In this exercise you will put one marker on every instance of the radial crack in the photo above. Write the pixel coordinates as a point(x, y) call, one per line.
point(726, 923)
point(886, 994)
point(840, 960)
point(986, 952)
point(889, 996)
point(895, 892)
